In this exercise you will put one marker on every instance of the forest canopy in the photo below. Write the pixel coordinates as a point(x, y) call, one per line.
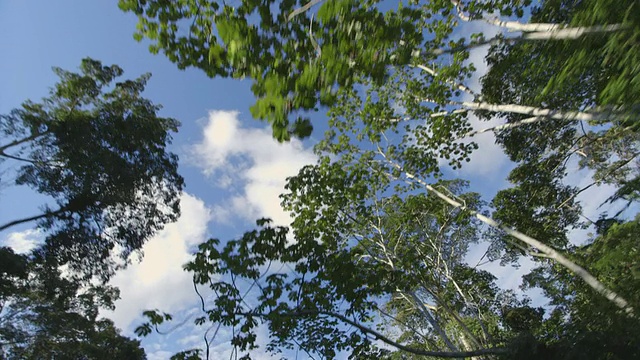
point(385, 254)
point(375, 253)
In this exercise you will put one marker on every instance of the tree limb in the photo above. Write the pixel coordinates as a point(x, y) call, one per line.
point(555, 31)
point(497, 128)
point(458, 86)
point(433, 322)
point(582, 273)
point(302, 9)
point(32, 218)
point(21, 141)
point(535, 111)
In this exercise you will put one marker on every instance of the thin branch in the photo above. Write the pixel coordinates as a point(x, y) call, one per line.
point(195, 288)
point(314, 43)
point(531, 120)
point(302, 9)
point(30, 161)
point(598, 182)
point(458, 86)
point(402, 323)
point(22, 141)
point(425, 312)
point(498, 39)
point(9, 156)
point(32, 218)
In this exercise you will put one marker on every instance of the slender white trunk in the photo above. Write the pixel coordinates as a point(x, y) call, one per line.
point(425, 312)
point(570, 33)
point(531, 120)
point(534, 111)
point(547, 250)
point(536, 27)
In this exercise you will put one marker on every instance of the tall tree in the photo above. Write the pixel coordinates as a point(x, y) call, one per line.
point(97, 148)
point(44, 315)
point(368, 250)
point(597, 73)
point(394, 82)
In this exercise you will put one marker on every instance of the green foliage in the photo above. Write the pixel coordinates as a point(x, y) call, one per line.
point(599, 73)
point(584, 325)
point(297, 63)
point(45, 315)
point(98, 150)
point(373, 252)
point(361, 243)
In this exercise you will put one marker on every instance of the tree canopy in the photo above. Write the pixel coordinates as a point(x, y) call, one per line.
point(97, 149)
point(45, 315)
point(374, 262)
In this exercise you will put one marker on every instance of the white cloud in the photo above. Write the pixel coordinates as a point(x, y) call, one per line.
point(23, 242)
point(593, 200)
point(489, 160)
point(254, 160)
point(158, 281)
point(159, 355)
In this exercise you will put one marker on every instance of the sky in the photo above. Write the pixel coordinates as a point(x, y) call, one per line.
point(234, 170)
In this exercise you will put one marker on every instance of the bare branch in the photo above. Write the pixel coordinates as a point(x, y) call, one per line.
point(32, 218)
point(22, 141)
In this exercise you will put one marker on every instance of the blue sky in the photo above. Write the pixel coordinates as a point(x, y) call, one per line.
point(233, 169)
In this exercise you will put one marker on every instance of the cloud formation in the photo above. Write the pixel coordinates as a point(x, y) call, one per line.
point(158, 281)
point(250, 164)
point(22, 242)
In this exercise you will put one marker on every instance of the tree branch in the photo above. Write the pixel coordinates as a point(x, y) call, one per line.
point(557, 31)
point(35, 162)
point(21, 141)
point(531, 120)
point(582, 273)
point(458, 86)
point(302, 9)
point(32, 218)
point(433, 322)
point(535, 111)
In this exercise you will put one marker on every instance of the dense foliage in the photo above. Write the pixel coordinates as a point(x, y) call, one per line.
point(46, 316)
point(374, 262)
point(97, 149)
